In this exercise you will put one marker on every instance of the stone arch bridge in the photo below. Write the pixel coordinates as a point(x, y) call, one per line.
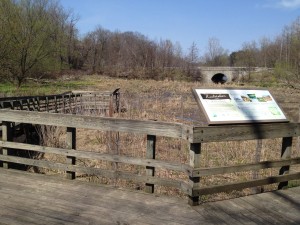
point(226, 74)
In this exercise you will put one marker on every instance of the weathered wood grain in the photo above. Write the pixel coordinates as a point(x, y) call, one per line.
point(150, 154)
point(244, 132)
point(99, 156)
point(254, 208)
point(165, 129)
point(39, 199)
point(7, 135)
point(219, 213)
point(283, 200)
point(40, 103)
point(286, 153)
point(195, 151)
point(78, 201)
point(244, 217)
point(94, 171)
point(199, 172)
point(246, 184)
point(71, 144)
point(267, 206)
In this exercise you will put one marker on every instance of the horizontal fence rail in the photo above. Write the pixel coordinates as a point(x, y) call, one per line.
point(242, 185)
point(49, 103)
point(166, 129)
point(104, 124)
point(244, 132)
point(99, 156)
point(68, 102)
point(195, 136)
point(200, 172)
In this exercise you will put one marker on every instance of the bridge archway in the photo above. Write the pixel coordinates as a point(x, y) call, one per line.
point(219, 78)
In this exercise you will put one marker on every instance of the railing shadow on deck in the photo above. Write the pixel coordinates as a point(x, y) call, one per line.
point(287, 199)
point(194, 135)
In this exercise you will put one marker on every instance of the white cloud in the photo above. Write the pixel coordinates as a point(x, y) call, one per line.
point(289, 4)
point(282, 4)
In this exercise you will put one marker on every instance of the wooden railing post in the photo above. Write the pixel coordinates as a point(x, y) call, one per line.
point(7, 135)
point(286, 152)
point(55, 104)
point(28, 104)
point(75, 109)
point(150, 154)
point(70, 104)
point(64, 103)
point(38, 102)
point(71, 144)
point(47, 103)
point(81, 104)
point(259, 145)
point(195, 151)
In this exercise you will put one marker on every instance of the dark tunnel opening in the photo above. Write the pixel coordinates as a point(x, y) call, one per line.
point(219, 78)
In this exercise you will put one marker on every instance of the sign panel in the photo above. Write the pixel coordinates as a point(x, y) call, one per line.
point(238, 106)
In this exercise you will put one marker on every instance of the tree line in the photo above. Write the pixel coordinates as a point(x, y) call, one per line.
point(39, 39)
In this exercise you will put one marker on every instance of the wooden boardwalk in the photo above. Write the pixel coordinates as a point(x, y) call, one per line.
point(27, 198)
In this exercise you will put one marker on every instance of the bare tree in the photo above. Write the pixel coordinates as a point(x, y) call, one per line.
point(193, 55)
point(216, 55)
point(96, 43)
point(269, 52)
point(249, 56)
point(165, 54)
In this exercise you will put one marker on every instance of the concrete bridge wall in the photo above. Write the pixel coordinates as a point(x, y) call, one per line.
point(225, 74)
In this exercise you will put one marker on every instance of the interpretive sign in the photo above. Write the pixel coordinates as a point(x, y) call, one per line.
point(223, 106)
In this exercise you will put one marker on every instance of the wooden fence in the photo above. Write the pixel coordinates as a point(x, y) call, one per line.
point(69, 102)
point(49, 103)
point(195, 137)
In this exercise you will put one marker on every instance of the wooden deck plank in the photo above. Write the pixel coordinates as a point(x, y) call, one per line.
point(265, 207)
point(55, 213)
point(282, 206)
point(79, 196)
point(19, 216)
point(76, 186)
point(27, 198)
point(86, 209)
point(83, 196)
point(220, 214)
point(79, 213)
point(106, 197)
point(265, 218)
point(235, 211)
point(295, 191)
point(208, 216)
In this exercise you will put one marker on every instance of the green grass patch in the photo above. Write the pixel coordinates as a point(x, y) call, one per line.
point(294, 183)
point(44, 88)
point(7, 89)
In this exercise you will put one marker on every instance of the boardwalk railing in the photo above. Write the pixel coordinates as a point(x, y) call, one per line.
point(200, 135)
point(74, 122)
point(49, 103)
point(68, 102)
point(194, 135)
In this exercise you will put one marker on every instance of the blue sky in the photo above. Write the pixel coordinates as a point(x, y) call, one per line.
point(233, 22)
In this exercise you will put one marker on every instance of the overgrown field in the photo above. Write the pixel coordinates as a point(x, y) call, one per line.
point(163, 101)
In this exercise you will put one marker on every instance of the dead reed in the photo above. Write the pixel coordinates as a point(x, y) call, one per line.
point(166, 101)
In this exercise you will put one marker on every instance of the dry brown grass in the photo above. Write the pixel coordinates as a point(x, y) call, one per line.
point(170, 101)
